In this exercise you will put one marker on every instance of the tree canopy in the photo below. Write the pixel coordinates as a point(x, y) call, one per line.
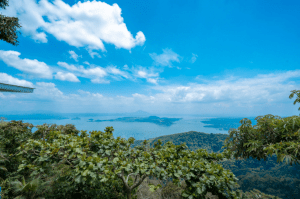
point(297, 93)
point(56, 162)
point(271, 135)
point(8, 26)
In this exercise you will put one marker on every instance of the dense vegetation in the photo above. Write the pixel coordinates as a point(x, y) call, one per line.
point(8, 26)
point(61, 162)
point(57, 162)
point(276, 179)
point(268, 176)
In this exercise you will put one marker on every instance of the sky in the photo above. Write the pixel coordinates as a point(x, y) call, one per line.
point(210, 58)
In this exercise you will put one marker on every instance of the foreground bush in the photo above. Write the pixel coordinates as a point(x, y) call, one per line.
point(57, 161)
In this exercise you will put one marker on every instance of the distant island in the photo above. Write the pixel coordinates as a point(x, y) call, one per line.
point(225, 124)
point(75, 118)
point(152, 119)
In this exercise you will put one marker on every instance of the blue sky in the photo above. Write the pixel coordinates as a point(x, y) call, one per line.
point(217, 58)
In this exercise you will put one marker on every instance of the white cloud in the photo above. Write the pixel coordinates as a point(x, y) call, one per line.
point(83, 24)
point(194, 58)
point(151, 80)
point(70, 67)
point(166, 58)
point(100, 81)
point(262, 94)
point(142, 74)
point(147, 74)
point(93, 54)
point(96, 73)
point(117, 72)
point(87, 93)
point(33, 67)
point(7, 79)
point(73, 55)
point(260, 89)
point(66, 77)
point(99, 72)
point(47, 91)
point(125, 67)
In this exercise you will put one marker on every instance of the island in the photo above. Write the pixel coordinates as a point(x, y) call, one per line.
point(225, 124)
point(75, 118)
point(151, 119)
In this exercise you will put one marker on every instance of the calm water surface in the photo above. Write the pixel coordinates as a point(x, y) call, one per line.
point(138, 130)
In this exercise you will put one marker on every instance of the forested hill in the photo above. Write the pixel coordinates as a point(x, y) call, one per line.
point(193, 139)
point(270, 177)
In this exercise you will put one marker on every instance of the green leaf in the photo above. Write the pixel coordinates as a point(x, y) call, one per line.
point(78, 179)
point(185, 195)
point(115, 160)
point(3, 168)
point(153, 188)
point(85, 173)
point(93, 175)
point(103, 180)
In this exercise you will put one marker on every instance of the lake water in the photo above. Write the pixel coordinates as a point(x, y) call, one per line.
point(138, 130)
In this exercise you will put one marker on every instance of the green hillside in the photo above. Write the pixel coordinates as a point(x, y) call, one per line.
point(194, 140)
point(270, 177)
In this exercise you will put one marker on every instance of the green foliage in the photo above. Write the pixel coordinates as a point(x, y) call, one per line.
point(297, 100)
point(62, 163)
point(153, 187)
point(12, 135)
point(3, 3)
point(8, 26)
point(57, 162)
point(271, 135)
point(194, 140)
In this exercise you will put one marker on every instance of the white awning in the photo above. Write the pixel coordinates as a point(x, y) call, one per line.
point(14, 88)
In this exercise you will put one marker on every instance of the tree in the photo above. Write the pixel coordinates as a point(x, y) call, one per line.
point(297, 100)
point(56, 184)
point(8, 26)
point(100, 159)
point(271, 135)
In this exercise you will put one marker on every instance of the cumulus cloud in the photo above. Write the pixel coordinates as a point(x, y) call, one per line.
point(83, 24)
point(73, 55)
point(45, 90)
point(66, 77)
point(8, 79)
point(166, 58)
point(96, 74)
point(33, 67)
point(99, 72)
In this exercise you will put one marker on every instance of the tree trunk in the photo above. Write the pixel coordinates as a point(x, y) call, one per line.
point(128, 194)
